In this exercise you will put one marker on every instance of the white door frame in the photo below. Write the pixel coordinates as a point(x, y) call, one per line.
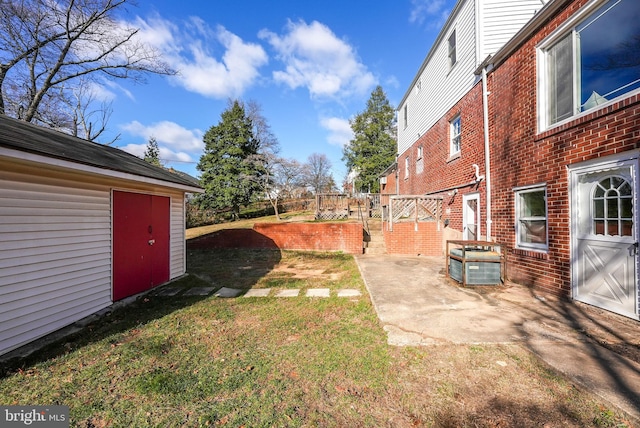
point(629, 160)
point(465, 215)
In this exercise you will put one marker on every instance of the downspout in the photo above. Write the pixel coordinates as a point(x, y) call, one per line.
point(487, 159)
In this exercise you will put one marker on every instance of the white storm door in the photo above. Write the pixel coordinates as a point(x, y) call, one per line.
point(471, 217)
point(604, 244)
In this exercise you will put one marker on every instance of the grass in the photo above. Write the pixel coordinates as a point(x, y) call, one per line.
point(284, 362)
point(245, 223)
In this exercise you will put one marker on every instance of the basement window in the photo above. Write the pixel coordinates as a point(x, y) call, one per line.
point(531, 218)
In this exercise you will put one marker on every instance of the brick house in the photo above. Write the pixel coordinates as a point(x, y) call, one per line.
point(540, 153)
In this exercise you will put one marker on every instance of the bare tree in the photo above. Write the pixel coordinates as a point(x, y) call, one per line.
point(286, 176)
point(269, 144)
point(88, 121)
point(318, 173)
point(47, 48)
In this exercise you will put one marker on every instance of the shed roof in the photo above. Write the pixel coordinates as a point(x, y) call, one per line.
point(26, 137)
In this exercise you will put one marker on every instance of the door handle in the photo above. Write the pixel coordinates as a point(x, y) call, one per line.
point(152, 241)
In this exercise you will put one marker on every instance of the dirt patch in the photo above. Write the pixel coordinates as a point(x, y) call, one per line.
point(307, 271)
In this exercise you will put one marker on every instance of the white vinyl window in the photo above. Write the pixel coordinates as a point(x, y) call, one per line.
point(406, 167)
point(452, 49)
point(404, 111)
point(592, 60)
point(531, 218)
point(455, 130)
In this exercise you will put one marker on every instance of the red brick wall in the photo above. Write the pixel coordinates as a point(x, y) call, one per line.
point(441, 172)
point(521, 156)
point(404, 239)
point(345, 237)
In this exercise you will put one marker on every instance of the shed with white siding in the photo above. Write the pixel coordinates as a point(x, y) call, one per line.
point(72, 215)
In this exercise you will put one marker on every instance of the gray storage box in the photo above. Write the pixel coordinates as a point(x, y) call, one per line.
point(477, 271)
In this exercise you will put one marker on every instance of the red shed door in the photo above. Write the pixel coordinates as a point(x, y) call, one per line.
point(140, 242)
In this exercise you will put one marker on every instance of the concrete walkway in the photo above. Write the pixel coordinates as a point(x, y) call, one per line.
point(418, 305)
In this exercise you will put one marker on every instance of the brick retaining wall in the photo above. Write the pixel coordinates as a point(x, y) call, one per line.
point(405, 240)
point(346, 237)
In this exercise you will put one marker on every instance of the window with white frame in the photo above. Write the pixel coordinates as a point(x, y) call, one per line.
point(594, 58)
point(531, 218)
point(452, 49)
point(404, 114)
point(455, 130)
point(419, 161)
point(406, 167)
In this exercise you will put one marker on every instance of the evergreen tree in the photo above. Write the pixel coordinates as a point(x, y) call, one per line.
point(152, 153)
point(373, 147)
point(228, 164)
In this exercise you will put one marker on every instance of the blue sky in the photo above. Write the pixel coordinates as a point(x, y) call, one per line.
point(311, 65)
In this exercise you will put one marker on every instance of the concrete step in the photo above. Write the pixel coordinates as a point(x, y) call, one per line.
point(378, 243)
point(375, 251)
point(374, 240)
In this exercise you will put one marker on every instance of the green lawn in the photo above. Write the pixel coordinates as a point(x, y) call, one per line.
point(284, 362)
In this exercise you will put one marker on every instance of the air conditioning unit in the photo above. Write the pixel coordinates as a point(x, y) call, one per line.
point(383, 180)
point(480, 267)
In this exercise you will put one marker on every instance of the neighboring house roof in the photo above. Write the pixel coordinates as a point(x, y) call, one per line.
point(391, 168)
point(26, 137)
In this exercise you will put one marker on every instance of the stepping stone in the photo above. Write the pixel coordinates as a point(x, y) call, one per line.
point(258, 292)
point(318, 292)
point(228, 292)
point(168, 291)
point(348, 292)
point(198, 291)
point(288, 293)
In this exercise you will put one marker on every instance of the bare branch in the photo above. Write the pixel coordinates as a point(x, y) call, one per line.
point(49, 48)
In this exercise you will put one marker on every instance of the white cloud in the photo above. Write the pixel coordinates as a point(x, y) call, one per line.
point(433, 10)
point(169, 155)
point(340, 132)
point(169, 135)
point(100, 92)
point(159, 33)
point(189, 50)
point(315, 58)
point(166, 155)
point(135, 149)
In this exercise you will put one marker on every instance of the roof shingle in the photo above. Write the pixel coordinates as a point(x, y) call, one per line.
point(26, 137)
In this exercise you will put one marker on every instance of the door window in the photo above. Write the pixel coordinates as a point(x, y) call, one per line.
point(612, 203)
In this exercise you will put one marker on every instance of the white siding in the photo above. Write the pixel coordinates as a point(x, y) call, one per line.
point(55, 249)
point(500, 20)
point(482, 27)
point(441, 87)
point(55, 256)
point(178, 245)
